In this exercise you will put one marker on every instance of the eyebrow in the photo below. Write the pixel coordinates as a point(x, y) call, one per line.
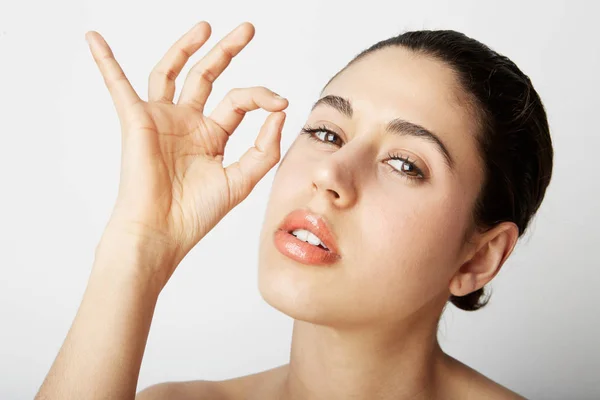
point(396, 126)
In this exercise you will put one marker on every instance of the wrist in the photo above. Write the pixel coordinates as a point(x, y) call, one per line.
point(134, 258)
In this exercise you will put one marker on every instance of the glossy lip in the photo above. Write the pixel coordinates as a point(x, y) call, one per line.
point(303, 252)
point(316, 224)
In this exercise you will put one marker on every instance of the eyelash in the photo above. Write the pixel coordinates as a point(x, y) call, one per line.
point(311, 134)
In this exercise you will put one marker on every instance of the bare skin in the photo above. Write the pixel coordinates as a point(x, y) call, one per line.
point(173, 190)
point(462, 383)
point(364, 330)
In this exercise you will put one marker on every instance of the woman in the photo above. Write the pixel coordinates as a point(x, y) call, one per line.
point(418, 169)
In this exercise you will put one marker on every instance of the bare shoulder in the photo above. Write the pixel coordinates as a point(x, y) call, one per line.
point(489, 389)
point(473, 385)
point(197, 390)
point(230, 389)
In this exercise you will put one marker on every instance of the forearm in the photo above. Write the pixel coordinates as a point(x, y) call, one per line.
point(102, 353)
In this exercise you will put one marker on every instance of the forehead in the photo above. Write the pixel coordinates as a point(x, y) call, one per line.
point(400, 83)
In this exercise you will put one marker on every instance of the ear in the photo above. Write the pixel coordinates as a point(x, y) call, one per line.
point(483, 262)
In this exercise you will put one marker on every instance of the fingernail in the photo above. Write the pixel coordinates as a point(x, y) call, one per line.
point(278, 96)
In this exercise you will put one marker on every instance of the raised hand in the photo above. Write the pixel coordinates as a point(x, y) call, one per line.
point(173, 187)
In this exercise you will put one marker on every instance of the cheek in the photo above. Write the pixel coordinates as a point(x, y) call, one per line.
point(414, 221)
point(292, 178)
point(408, 245)
point(289, 183)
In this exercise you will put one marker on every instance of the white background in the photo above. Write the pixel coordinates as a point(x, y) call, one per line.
point(59, 170)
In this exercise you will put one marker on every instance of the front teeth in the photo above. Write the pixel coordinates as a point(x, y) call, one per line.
point(309, 237)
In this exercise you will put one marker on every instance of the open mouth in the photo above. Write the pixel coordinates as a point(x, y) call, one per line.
point(306, 237)
point(304, 248)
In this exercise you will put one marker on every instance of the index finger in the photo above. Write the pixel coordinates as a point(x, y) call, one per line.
point(199, 81)
point(121, 91)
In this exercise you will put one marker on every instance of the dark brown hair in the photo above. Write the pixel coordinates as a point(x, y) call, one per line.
point(514, 141)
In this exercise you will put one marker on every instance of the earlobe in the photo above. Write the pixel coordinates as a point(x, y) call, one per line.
point(493, 248)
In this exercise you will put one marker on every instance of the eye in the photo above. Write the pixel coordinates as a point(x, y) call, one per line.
point(399, 164)
point(323, 134)
point(405, 167)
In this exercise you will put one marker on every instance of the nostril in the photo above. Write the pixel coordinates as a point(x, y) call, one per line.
point(335, 194)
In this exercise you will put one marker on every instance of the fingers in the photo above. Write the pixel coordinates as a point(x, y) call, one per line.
point(199, 81)
point(231, 110)
point(161, 83)
point(121, 91)
point(258, 160)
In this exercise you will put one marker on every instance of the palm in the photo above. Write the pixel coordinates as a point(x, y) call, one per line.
point(186, 149)
point(172, 178)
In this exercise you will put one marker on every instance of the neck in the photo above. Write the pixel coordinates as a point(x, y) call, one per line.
point(384, 363)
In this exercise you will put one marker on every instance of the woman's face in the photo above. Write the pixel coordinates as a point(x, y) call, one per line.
point(397, 203)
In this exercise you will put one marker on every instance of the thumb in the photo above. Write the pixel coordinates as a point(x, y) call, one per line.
point(254, 164)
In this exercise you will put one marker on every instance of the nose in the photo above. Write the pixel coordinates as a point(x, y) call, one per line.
point(333, 180)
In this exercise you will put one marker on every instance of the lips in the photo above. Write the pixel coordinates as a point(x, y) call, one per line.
point(301, 251)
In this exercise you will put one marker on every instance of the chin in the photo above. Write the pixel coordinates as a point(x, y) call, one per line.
point(297, 290)
point(311, 293)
